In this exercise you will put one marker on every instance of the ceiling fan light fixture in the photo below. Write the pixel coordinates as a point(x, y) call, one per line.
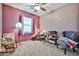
point(37, 7)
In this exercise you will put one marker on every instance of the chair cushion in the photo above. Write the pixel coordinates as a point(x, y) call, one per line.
point(61, 41)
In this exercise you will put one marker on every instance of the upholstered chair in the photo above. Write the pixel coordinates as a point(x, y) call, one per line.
point(68, 40)
point(53, 36)
point(8, 41)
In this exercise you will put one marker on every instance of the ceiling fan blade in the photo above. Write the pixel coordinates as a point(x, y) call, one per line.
point(36, 4)
point(40, 4)
point(30, 6)
point(43, 9)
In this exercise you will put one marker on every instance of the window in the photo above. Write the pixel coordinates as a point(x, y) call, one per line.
point(27, 25)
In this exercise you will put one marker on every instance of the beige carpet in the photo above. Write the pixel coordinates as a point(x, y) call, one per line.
point(37, 48)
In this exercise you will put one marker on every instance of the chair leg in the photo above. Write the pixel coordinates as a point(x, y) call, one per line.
point(64, 50)
point(73, 49)
point(44, 40)
point(33, 38)
point(55, 42)
point(6, 50)
point(57, 45)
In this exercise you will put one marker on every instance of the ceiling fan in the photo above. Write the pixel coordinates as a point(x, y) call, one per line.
point(37, 6)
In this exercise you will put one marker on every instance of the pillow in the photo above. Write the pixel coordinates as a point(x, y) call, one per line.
point(9, 40)
point(71, 43)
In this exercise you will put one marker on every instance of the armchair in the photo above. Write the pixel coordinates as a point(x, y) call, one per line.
point(69, 40)
point(53, 36)
point(8, 42)
point(39, 35)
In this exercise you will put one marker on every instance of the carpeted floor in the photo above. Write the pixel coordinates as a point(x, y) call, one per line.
point(37, 48)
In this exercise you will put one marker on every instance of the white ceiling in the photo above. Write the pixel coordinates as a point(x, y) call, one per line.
point(49, 7)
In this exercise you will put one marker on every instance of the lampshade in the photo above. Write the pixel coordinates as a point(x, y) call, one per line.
point(18, 25)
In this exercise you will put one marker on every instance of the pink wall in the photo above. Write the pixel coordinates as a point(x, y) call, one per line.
point(10, 16)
